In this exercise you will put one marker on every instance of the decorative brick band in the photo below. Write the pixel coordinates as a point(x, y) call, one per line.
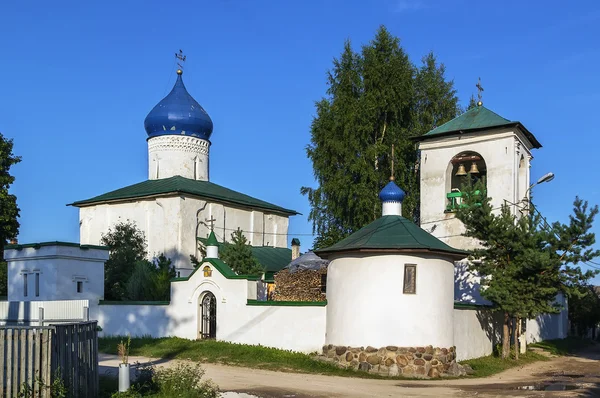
point(181, 143)
point(394, 361)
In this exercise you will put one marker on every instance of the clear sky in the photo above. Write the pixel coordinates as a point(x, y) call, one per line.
point(77, 79)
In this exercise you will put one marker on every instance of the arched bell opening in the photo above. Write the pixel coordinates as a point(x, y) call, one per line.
point(464, 168)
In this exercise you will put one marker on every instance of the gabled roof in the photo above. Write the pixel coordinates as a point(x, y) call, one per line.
point(477, 119)
point(220, 265)
point(182, 185)
point(273, 259)
point(392, 234)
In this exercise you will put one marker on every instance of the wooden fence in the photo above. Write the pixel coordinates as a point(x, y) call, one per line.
point(33, 357)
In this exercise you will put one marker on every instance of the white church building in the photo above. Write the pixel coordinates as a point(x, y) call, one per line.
point(399, 297)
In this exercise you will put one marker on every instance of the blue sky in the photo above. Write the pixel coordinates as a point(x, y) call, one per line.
point(78, 78)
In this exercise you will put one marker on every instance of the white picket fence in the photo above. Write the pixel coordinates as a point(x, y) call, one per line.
point(43, 312)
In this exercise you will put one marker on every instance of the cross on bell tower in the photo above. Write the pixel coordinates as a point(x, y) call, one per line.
point(479, 91)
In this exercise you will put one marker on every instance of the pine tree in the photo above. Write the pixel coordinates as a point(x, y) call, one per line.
point(524, 263)
point(372, 101)
point(238, 255)
point(127, 245)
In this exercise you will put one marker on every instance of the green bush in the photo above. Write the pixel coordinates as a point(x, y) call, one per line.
point(184, 381)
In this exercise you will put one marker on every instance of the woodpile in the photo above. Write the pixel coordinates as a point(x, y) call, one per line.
point(302, 285)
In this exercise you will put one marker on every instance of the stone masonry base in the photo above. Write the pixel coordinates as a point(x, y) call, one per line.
point(426, 362)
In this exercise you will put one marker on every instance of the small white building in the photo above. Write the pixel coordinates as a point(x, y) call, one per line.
point(52, 271)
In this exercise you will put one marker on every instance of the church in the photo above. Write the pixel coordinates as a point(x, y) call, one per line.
point(397, 298)
point(178, 204)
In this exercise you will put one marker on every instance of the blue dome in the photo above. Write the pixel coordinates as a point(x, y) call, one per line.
point(178, 114)
point(392, 193)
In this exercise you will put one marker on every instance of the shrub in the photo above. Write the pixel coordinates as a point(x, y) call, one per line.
point(184, 381)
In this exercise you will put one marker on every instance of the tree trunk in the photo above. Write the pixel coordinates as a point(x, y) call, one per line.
point(506, 336)
point(516, 337)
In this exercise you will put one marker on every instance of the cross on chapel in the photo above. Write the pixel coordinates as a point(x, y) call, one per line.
point(211, 220)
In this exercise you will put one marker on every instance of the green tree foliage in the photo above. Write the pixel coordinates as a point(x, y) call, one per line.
point(141, 285)
point(524, 263)
point(238, 255)
point(375, 99)
point(165, 271)
point(127, 245)
point(9, 211)
point(584, 311)
point(151, 280)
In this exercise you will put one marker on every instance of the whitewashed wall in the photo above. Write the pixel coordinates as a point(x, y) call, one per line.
point(287, 327)
point(549, 326)
point(171, 225)
point(476, 331)
point(366, 304)
point(60, 267)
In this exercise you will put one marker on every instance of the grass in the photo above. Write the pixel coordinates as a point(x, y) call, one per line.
point(259, 357)
point(566, 346)
point(210, 351)
point(491, 365)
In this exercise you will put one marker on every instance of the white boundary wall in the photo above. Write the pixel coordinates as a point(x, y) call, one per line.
point(297, 328)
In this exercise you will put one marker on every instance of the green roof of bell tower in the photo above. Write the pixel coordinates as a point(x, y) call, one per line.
point(477, 119)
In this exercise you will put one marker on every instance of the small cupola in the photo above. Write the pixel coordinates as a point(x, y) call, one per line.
point(179, 114)
point(391, 197)
point(212, 246)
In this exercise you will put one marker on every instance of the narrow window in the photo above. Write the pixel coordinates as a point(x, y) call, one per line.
point(25, 285)
point(410, 279)
point(323, 283)
point(79, 286)
point(37, 284)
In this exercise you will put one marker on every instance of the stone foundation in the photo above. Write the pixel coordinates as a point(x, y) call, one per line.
point(426, 362)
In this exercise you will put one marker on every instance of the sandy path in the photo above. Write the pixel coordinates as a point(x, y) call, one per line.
point(270, 384)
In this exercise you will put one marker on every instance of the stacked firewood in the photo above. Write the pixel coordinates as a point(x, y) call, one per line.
point(302, 285)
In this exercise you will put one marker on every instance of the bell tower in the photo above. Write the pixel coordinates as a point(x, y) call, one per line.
point(478, 144)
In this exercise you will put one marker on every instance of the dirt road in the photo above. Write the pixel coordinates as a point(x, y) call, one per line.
point(574, 376)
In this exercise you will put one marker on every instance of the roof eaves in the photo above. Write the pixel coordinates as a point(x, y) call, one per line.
point(454, 254)
point(534, 142)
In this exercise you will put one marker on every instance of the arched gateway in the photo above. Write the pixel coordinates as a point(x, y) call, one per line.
point(207, 319)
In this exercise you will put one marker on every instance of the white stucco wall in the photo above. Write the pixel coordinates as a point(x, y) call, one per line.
point(476, 331)
point(60, 267)
point(549, 326)
point(502, 150)
point(171, 155)
point(366, 305)
point(298, 328)
point(171, 225)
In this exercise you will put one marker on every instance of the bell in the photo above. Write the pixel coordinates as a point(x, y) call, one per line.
point(461, 171)
point(474, 169)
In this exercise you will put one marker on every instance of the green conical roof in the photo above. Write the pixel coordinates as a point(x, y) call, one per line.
point(392, 234)
point(477, 119)
point(212, 240)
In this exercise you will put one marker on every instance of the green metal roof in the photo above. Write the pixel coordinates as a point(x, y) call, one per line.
point(182, 185)
point(221, 267)
point(273, 259)
point(477, 119)
point(212, 240)
point(392, 234)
